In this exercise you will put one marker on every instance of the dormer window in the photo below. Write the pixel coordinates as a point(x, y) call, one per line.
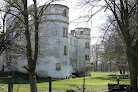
point(64, 12)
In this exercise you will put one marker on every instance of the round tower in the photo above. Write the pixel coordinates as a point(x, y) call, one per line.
point(53, 36)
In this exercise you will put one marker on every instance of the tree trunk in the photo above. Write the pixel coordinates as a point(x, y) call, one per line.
point(32, 79)
point(133, 79)
point(31, 61)
point(123, 19)
point(132, 69)
point(2, 68)
point(96, 65)
point(110, 66)
point(120, 71)
point(124, 70)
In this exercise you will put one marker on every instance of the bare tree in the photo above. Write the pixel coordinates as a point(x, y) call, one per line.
point(123, 12)
point(115, 51)
point(5, 38)
point(96, 55)
point(20, 11)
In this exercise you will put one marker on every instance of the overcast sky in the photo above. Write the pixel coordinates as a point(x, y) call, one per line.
point(74, 12)
point(94, 24)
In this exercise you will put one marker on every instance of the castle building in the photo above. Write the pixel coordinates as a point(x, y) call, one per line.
point(60, 53)
point(80, 39)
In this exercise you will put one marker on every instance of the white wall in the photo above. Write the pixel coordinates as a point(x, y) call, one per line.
point(52, 44)
point(82, 51)
point(73, 53)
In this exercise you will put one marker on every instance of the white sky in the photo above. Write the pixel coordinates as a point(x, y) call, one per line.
point(74, 12)
point(94, 24)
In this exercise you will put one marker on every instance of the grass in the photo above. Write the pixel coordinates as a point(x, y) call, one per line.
point(97, 82)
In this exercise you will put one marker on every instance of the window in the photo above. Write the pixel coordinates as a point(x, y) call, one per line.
point(70, 55)
point(75, 56)
point(58, 66)
point(52, 10)
point(64, 13)
point(86, 57)
point(87, 45)
point(65, 50)
point(70, 41)
point(72, 32)
point(65, 32)
point(75, 43)
point(81, 32)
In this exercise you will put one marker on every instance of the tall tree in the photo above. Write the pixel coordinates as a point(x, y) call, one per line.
point(124, 11)
point(19, 10)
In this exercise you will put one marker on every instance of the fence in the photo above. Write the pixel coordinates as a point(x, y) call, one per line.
point(9, 79)
point(21, 84)
point(81, 84)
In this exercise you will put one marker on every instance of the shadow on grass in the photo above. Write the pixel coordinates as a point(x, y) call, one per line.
point(22, 81)
point(25, 81)
point(113, 80)
point(20, 77)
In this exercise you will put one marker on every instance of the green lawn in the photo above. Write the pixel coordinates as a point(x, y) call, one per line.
point(97, 82)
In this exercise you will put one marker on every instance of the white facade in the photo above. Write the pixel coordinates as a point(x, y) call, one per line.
point(73, 45)
point(60, 53)
point(82, 63)
point(83, 35)
point(53, 61)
